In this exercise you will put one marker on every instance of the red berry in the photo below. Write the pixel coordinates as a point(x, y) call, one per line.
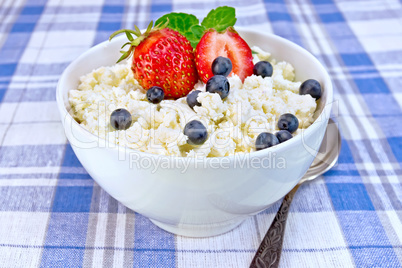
point(162, 57)
point(165, 58)
point(227, 44)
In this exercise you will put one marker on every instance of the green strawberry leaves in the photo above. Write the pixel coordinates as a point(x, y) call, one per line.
point(188, 25)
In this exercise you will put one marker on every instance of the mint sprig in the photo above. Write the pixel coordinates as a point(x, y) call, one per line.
point(220, 18)
point(180, 22)
point(188, 25)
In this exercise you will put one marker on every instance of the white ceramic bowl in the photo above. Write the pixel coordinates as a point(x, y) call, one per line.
point(212, 195)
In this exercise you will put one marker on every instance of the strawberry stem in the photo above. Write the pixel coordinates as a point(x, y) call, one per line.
point(149, 28)
point(140, 37)
point(129, 36)
point(137, 30)
point(121, 31)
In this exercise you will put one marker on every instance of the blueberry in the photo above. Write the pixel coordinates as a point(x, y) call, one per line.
point(196, 132)
point(265, 140)
point(120, 119)
point(288, 122)
point(155, 94)
point(263, 68)
point(192, 99)
point(218, 84)
point(312, 87)
point(283, 135)
point(221, 66)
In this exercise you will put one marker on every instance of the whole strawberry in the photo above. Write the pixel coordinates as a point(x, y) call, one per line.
point(162, 57)
point(227, 44)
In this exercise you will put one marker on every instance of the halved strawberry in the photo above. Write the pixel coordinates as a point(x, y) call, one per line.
point(162, 57)
point(227, 44)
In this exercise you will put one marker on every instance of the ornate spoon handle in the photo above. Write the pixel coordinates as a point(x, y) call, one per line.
point(269, 252)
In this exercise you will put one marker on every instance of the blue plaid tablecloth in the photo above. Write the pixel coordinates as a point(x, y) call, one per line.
point(52, 214)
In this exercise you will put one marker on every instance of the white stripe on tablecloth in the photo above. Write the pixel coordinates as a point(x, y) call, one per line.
point(38, 134)
point(398, 98)
point(45, 182)
point(351, 6)
point(235, 247)
point(99, 242)
point(28, 170)
point(118, 258)
point(28, 182)
point(396, 224)
point(32, 79)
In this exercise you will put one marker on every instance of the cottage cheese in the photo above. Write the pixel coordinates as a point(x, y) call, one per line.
point(233, 124)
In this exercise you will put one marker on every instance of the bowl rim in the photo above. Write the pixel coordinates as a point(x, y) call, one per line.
point(324, 115)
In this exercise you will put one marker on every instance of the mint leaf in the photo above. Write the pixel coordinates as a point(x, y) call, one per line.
point(188, 25)
point(220, 18)
point(180, 22)
point(197, 31)
point(195, 34)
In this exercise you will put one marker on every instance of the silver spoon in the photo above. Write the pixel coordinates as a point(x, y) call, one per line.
point(269, 252)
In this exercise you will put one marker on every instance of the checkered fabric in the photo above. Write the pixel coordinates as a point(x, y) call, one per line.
point(52, 214)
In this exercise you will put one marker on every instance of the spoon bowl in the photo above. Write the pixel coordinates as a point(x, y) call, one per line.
point(327, 155)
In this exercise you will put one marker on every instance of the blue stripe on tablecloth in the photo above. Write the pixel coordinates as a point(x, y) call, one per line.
point(65, 240)
point(35, 94)
point(110, 20)
point(28, 91)
point(349, 196)
point(70, 159)
point(40, 69)
point(364, 232)
point(26, 198)
point(391, 109)
point(31, 155)
point(16, 42)
point(68, 222)
point(396, 145)
point(8, 68)
point(352, 202)
point(29, 176)
point(68, 176)
point(159, 8)
point(72, 199)
point(32, 10)
point(51, 10)
point(74, 176)
point(153, 246)
point(281, 20)
point(389, 124)
point(345, 155)
point(334, 172)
